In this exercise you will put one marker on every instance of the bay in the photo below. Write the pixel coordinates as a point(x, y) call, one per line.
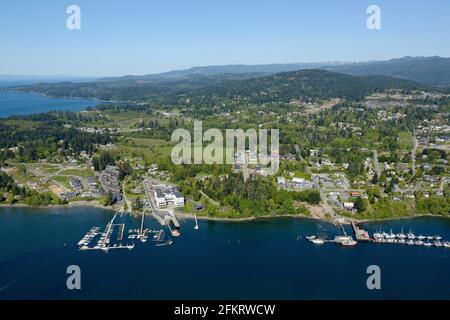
point(20, 103)
point(263, 259)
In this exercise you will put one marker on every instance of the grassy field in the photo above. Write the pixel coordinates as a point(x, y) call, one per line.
point(78, 172)
point(405, 140)
point(149, 149)
point(64, 180)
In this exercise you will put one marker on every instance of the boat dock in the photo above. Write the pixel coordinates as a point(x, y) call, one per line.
point(360, 234)
point(121, 230)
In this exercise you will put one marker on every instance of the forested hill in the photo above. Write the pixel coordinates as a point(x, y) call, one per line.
point(433, 71)
point(281, 87)
point(305, 84)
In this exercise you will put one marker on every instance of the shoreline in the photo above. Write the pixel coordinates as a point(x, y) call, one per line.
point(267, 217)
point(182, 215)
point(75, 204)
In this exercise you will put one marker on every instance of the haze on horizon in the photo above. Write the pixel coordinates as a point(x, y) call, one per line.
point(145, 37)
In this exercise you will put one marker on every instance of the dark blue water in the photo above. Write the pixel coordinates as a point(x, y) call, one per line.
point(252, 260)
point(18, 103)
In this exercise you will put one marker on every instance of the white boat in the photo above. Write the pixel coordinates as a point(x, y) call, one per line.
point(311, 238)
point(421, 237)
point(349, 243)
point(427, 244)
point(447, 244)
point(430, 237)
point(342, 238)
point(438, 237)
point(411, 236)
point(419, 243)
point(410, 242)
point(438, 244)
point(317, 241)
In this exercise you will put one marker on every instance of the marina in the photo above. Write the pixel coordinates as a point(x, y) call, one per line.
point(382, 237)
point(157, 270)
point(94, 239)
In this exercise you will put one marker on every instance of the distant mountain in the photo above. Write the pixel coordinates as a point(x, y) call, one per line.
point(433, 71)
point(237, 70)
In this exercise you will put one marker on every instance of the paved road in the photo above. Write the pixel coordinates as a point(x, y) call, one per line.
point(129, 205)
point(209, 199)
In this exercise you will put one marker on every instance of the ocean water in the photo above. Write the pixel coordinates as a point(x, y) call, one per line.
point(19, 103)
point(266, 259)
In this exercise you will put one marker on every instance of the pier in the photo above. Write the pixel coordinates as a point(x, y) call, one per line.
point(360, 234)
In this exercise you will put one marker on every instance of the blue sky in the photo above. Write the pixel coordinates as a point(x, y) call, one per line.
point(140, 37)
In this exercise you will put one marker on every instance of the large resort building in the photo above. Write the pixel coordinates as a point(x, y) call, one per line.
point(166, 196)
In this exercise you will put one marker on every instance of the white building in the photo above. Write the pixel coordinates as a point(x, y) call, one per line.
point(298, 181)
point(349, 205)
point(160, 198)
point(178, 199)
point(281, 180)
point(169, 196)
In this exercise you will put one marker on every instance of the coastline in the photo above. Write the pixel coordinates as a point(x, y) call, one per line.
point(9, 89)
point(182, 215)
point(75, 204)
point(267, 217)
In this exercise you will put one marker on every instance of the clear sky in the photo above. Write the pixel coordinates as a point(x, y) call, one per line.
point(120, 37)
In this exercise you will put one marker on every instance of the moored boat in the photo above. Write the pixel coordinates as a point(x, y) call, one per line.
point(317, 241)
point(349, 243)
